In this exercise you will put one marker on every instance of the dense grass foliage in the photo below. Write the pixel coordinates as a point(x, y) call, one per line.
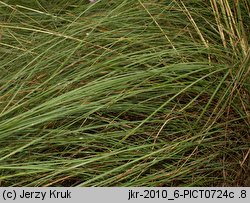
point(124, 93)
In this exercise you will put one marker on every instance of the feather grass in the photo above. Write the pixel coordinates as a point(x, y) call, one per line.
point(124, 93)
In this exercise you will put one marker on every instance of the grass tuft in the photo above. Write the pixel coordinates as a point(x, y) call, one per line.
point(124, 93)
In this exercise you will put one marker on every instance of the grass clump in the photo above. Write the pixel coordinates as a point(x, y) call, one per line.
point(124, 93)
